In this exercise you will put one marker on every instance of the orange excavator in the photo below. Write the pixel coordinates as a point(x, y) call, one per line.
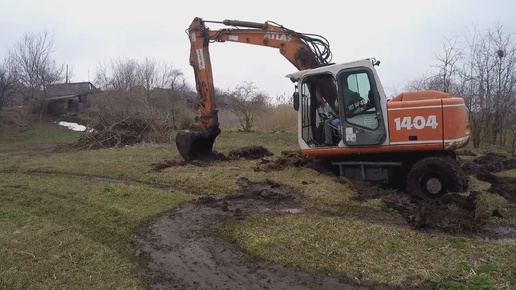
point(344, 116)
point(197, 143)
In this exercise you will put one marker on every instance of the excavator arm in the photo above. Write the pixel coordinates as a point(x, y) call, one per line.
point(304, 51)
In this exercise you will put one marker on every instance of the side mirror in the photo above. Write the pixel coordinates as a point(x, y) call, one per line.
point(295, 100)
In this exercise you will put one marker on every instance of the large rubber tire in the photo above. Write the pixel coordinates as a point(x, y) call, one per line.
point(444, 172)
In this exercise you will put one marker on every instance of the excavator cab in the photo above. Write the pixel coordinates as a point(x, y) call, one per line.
point(354, 110)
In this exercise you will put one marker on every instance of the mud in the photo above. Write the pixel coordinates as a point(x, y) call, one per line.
point(459, 210)
point(453, 213)
point(466, 153)
point(250, 152)
point(484, 167)
point(177, 250)
point(293, 159)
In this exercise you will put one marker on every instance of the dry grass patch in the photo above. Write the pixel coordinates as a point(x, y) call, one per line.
point(136, 162)
point(507, 173)
point(368, 253)
point(73, 233)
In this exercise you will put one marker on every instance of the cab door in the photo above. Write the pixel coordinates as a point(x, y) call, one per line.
point(360, 108)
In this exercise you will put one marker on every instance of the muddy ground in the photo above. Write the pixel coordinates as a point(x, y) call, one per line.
point(177, 251)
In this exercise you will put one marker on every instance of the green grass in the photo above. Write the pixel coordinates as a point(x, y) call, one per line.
point(66, 218)
point(73, 233)
point(377, 254)
point(38, 134)
point(69, 231)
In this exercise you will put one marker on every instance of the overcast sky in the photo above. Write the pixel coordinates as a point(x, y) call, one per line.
point(403, 34)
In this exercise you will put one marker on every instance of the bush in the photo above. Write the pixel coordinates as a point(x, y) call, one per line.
point(14, 119)
point(279, 118)
point(56, 108)
point(121, 118)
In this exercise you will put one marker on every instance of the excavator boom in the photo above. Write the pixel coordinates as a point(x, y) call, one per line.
point(304, 51)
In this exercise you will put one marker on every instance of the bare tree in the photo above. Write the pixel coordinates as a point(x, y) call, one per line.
point(490, 76)
point(145, 86)
point(505, 76)
point(283, 99)
point(248, 104)
point(480, 67)
point(154, 74)
point(130, 74)
point(34, 65)
point(8, 81)
point(102, 77)
point(448, 59)
point(423, 83)
point(125, 75)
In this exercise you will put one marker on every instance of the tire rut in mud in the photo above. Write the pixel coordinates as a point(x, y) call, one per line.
point(453, 213)
point(176, 251)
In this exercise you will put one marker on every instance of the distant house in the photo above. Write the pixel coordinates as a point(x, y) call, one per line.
point(72, 96)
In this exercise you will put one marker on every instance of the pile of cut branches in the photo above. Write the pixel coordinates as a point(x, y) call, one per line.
point(112, 130)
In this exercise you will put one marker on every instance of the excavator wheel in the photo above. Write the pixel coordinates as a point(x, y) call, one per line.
point(432, 177)
point(197, 144)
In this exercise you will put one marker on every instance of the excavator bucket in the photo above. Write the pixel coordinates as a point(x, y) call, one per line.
point(197, 145)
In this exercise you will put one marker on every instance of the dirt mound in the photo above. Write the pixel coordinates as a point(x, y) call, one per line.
point(483, 168)
point(250, 152)
point(286, 160)
point(453, 213)
point(505, 187)
point(293, 159)
point(177, 251)
point(214, 156)
point(267, 196)
point(495, 162)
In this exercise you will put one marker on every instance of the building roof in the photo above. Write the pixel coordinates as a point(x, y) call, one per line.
point(69, 90)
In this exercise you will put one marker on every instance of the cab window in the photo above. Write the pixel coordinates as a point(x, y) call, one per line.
point(359, 102)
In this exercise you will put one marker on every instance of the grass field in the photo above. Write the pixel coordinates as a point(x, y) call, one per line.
point(66, 219)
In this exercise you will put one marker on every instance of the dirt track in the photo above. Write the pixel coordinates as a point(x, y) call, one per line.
point(177, 252)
